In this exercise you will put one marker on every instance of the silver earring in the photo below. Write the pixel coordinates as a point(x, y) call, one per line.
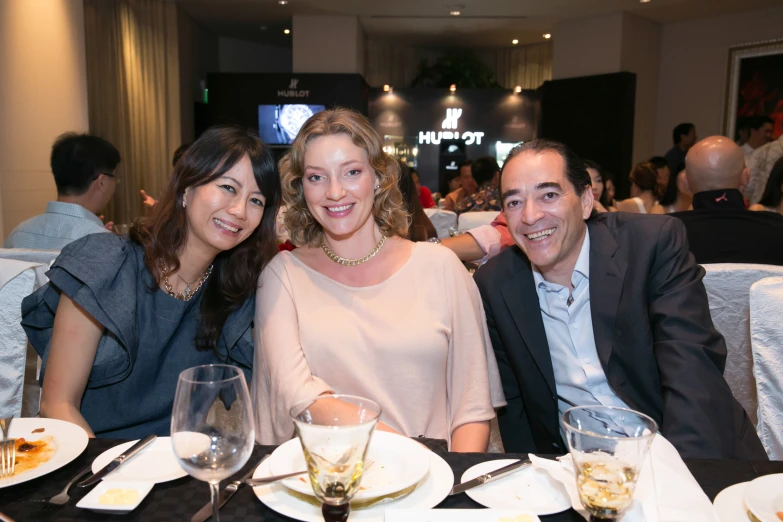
point(377, 187)
point(184, 203)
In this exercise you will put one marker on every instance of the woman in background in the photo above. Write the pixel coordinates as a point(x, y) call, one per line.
point(421, 228)
point(644, 191)
point(358, 309)
point(597, 176)
point(122, 317)
point(772, 200)
point(422, 192)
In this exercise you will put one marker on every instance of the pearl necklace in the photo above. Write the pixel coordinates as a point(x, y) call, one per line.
point(353, 262)
point(186, 294)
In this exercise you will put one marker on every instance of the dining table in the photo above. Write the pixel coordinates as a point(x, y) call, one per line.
point(179, 499)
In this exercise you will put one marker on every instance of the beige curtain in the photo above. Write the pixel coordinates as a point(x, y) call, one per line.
point(133, 93)
point(397, 64)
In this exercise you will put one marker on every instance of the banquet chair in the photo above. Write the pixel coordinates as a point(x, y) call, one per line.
point(469, 220)
point(766, 334)
point(442, 220)
point(728, 290)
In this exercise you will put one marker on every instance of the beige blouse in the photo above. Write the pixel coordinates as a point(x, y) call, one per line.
point(417, 344)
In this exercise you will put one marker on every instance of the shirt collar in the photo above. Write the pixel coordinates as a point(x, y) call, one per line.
point(581, 269)
point(72, 209)
point(720, 199)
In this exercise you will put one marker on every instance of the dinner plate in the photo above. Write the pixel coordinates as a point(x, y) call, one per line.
point(398, 463)
point(433, 488)
point(764, 497)
point(730, 503)
point(69, 439)
point(532, 490)
point(155, 463)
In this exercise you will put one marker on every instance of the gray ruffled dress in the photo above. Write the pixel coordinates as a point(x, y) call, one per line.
point(148, 338)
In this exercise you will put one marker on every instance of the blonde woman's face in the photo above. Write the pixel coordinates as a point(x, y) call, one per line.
point(339, 185)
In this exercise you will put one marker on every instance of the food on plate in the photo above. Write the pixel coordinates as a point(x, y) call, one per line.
point(39, 430)
point(32, 453)
point(780, 515)
point(518, 518)
point(119, 497)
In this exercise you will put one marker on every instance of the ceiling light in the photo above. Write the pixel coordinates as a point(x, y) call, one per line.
point(287, 31)
point(282, 2)
point(514, 41)
point(644, 1)
point(454, 13)
point(547, 36)
point(386, 88)
point(453, 87)
point(518, 89)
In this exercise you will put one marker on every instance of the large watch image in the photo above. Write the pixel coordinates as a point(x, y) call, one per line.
point(289, 119)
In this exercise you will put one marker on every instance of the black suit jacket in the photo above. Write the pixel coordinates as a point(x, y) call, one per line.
point(653, 334)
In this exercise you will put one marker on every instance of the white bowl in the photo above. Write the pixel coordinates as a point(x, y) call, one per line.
point(91, 500)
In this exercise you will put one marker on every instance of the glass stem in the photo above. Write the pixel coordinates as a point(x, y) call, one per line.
point(214, 488)
point(338, 513)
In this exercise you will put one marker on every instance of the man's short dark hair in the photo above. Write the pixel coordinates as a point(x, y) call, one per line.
point(574, 166)
point(179, 153)
point(465, 163)
point(484, 169)
point(756, 122)
point(77, 159)
point(659, 162)
point(683, 129)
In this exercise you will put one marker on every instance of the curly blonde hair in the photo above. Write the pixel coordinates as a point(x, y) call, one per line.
point(388, 209)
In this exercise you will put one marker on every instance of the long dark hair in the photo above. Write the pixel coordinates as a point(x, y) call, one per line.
point(421, 228)
point(773, 192)
point(235, 272)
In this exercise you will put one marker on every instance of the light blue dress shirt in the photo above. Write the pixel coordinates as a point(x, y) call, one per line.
point(58, 226)
point(579, 376)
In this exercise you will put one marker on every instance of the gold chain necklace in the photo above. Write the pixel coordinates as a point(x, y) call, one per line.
point(187, 293)
point(352, 262)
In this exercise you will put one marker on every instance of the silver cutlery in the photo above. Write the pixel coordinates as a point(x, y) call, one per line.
point(7, 450)
point(228, 492)
point(118, 461)
point(274, 478)
point(62, 497)
point(492, 475)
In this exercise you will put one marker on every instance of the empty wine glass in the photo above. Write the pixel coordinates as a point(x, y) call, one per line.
point(212, 428)
point(335, 431)
point(608, 446)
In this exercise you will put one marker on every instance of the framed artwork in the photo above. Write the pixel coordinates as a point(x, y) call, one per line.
point(754, 85)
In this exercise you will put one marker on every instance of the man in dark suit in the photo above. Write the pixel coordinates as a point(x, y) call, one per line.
point(720, 228)
point(603, 309)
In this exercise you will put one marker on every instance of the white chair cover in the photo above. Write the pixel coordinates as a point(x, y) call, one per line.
point(469, 220)
point(766, 330)
point(442, 220)
point(728, 289)
point(17, 281)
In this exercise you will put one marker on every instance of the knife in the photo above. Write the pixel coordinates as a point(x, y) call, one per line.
point(118, 461)
point(228, 492)
point(492, 475)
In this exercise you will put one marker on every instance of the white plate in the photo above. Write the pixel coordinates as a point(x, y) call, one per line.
point(435, 486)
point(764, 497)
point(91, 500)
point(156, 463)
point(454, 515)
point(398, 463)
point(730, 503)
point(69, 438)
point(531, 490)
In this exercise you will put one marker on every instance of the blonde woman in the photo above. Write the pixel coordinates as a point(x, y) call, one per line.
point(359, 309)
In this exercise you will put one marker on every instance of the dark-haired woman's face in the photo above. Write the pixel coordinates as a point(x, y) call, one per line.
point(597, 183)
point(609, 187)
point(225, 211)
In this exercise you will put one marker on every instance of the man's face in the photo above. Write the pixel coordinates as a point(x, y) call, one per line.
point(760, 136)
point(689, 140)
point(466, 180)
point(545, 215)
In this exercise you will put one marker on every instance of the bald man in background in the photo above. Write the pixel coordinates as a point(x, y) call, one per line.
point(720, 228)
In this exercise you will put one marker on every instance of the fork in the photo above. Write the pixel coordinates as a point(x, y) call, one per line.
point(7, 450)
point(268, 480)
point(62, 497)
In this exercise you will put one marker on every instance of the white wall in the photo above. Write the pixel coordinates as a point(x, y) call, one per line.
point(694, 60)
point(243, 56)
point(43, 93)
point(587, 46)
point(327, 44)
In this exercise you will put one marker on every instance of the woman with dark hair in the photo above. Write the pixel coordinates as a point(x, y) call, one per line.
point(421, 228)
point(644, 191)
point(772, 200)
point(597, 180)
point(676, 195)
point(122, 317)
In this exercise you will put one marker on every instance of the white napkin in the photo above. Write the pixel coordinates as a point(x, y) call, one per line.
point(666, 491)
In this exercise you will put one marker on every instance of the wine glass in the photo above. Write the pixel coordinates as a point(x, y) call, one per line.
point(608, 446)
point(335, 431)
point(212, 428)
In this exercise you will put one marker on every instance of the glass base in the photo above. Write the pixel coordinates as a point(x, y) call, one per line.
point(338, 513)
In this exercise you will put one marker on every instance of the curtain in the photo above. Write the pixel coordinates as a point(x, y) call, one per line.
point(133, 93)
point(397, 65)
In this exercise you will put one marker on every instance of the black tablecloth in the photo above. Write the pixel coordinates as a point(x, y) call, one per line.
point(180, 499)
